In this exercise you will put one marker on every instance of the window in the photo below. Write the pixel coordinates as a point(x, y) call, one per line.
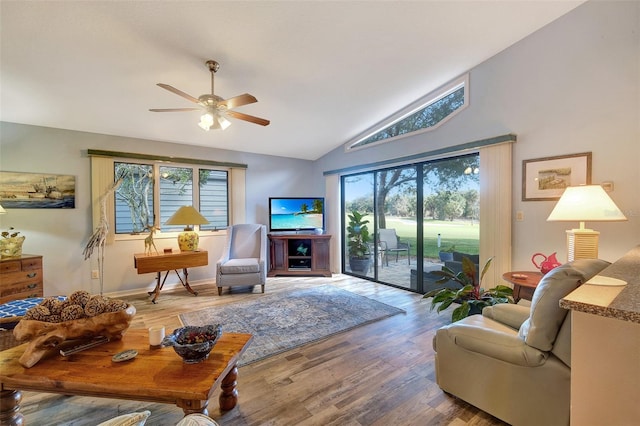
point(425, 114)
point(137, 203)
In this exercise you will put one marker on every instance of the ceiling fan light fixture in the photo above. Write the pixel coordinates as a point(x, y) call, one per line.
point(216, 109)
point(223, 122)
point(206, 121)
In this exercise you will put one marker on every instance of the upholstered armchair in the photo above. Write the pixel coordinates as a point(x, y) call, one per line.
point(513, 361)
point(244, 258)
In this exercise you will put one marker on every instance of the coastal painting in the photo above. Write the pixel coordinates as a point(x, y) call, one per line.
point(545, 179)
point(19, 190)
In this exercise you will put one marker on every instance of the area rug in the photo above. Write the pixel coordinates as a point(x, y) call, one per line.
point(280, 322)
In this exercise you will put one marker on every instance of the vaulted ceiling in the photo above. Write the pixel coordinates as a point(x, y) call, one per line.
point(322, 71)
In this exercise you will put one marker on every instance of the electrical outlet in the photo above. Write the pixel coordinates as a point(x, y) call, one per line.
point(95, 274)
point(519, 216)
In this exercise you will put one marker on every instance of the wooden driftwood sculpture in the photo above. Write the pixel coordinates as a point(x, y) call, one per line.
point(111, 318)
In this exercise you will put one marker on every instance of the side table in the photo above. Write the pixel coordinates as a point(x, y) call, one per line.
point(524, 283)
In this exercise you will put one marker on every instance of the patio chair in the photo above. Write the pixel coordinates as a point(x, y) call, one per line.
point(390, 243)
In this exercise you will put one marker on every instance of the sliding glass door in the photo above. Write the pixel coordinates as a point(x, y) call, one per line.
point(358, 229)
point(382, 210)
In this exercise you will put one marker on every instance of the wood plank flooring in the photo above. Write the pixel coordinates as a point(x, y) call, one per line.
point(378, 374)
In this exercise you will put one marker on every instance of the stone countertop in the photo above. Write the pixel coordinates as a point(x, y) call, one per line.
point(619, 302)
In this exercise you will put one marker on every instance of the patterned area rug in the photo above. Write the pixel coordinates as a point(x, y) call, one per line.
point(283, 321)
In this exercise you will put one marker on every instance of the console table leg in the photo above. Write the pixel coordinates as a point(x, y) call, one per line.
point(229, 394)
point(10, 408)
point(185, 283)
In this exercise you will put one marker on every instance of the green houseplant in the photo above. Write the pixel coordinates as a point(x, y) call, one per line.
point(471, 297)
point(358, 239)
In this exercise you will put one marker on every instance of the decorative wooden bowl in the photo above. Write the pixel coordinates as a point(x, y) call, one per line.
point(44, 336)
point(194, 343)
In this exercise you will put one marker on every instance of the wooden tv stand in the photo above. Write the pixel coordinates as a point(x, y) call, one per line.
point(299, 254)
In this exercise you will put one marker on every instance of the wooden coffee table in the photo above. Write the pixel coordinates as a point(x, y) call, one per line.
point(155, 375)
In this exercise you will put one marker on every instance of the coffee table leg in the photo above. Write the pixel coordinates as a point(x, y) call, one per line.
point(229, 395)
point(192, 406)
point(10, 408)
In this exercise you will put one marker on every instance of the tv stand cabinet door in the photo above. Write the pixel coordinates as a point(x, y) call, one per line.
point(279, 258)
point(320, 252)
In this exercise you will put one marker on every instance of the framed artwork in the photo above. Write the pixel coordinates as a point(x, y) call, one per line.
point(545, 179)
point(19, 190)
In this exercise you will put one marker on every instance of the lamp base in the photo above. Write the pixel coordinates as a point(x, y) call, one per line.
point(188, 240)
point(582, 244)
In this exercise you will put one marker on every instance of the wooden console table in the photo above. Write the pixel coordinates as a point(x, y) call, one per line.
point(155, 375)
point(168, 262)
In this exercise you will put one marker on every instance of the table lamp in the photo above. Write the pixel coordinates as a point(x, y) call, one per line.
point(581, 204)
point(188, 216)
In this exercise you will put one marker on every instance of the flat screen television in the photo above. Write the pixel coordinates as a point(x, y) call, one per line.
point(296, 214)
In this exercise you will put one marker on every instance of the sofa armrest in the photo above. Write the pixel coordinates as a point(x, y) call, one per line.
point(508, 314)
point(494, 343)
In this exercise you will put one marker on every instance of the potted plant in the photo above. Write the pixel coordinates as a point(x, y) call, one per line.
point(358, 239)
point(11, 244)
point(471, 297)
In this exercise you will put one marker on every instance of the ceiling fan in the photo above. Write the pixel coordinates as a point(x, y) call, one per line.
point(216, 109)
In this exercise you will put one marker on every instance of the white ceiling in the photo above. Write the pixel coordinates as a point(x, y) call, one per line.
point(322, 71)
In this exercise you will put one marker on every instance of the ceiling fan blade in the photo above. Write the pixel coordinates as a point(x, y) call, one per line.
point(250, 118)
point(239, 100)
point(173, 109)
point(179, 92)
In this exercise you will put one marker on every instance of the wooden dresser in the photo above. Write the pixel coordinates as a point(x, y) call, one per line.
point(20, 277)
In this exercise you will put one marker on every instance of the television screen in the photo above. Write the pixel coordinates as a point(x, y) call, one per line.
point(294, 214)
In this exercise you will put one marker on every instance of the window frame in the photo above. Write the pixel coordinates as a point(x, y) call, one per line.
point(420, 104)
point(103, 175)
point(157, 198)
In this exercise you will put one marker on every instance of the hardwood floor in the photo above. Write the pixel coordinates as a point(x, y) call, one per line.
point(378, 374)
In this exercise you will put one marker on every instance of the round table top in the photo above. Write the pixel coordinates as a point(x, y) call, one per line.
point(523, 278)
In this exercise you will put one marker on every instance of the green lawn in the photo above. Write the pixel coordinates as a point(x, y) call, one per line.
point(464, 235)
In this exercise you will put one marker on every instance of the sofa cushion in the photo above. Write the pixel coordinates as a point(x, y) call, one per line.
point(241, 266)
point(542, 326)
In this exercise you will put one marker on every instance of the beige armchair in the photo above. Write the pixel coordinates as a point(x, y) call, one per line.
point(244, 258)
point(513, 361)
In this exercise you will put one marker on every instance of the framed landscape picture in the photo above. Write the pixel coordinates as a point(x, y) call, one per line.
point(546, 178)
point(20, 190)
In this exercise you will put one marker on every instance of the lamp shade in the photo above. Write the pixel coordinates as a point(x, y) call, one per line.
point(588, 203)
point(2, 211)
point(581, 204)
point(187, 216)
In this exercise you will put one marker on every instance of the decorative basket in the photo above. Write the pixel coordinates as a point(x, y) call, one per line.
point(11, 247)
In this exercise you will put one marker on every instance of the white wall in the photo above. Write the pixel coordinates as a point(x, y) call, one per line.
point(571, 87)
point(60, 235)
